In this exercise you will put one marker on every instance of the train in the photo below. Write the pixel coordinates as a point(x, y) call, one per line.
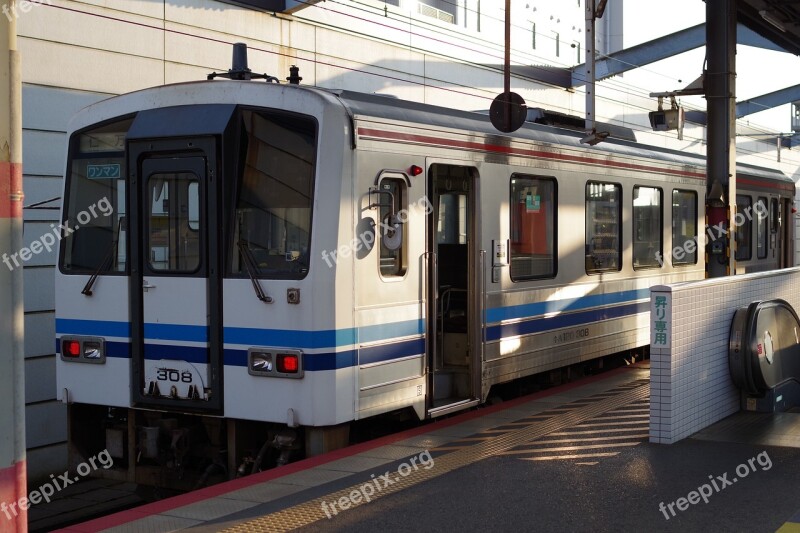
point(246, 268)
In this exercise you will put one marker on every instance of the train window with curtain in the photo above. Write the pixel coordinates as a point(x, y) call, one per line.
point(533, 227)
point(275, 195)
point(393, 200)
point(647, 227)
point(744, 227)
point(760, 214)
point(603, 227)
point(684, 227)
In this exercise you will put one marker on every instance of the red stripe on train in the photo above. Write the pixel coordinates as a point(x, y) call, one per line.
point(496, 148)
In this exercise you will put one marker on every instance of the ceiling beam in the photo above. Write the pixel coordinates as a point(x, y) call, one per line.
point(767, 101)
point(663, 48)
point(753, 105)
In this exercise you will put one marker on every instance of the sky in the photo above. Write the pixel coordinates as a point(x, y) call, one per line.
point(758, 71)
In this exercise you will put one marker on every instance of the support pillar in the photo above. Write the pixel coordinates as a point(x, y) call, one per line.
point(13, 476)
point(720, 85)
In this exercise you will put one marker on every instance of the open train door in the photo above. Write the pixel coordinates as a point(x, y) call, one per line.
point(455, 273)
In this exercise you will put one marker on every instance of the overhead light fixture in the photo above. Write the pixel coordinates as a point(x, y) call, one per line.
point(772, 19)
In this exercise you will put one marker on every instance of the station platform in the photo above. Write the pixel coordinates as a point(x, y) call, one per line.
point(574, 457)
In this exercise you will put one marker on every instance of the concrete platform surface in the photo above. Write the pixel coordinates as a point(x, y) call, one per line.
point(573, 458)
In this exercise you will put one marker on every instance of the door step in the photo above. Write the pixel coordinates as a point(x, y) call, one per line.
point(452, 408)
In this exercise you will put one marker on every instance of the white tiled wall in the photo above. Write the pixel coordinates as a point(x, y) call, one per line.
point(690, 384)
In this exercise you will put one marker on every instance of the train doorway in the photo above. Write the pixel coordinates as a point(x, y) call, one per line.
point(174, 279)
point(453, 328)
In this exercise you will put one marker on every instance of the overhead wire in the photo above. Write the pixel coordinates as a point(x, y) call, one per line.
point(426, 78)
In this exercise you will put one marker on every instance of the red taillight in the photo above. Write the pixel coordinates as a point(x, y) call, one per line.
point(72, 349)
point(288, 363)
point(415, 170)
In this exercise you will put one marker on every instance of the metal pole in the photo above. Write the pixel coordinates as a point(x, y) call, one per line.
point(13, 482)
point(507, 66)
point(590, 55)
point(721, 151)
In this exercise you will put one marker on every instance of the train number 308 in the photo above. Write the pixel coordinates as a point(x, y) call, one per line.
point(169, 374)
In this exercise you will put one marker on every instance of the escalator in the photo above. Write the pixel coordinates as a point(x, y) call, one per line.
point(764, 356)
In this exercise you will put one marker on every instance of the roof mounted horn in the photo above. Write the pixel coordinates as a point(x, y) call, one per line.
point(239, 69)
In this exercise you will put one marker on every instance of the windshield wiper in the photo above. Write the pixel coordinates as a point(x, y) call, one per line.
point(107, 261)
point(104, 264)
point(251, 267)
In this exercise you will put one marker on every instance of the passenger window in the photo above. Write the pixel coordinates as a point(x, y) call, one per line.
point(761, 227)
point(392, 202)
point(533, 227)
point(744, 227)
point(647, 228)
point(603, 227)
point(684, 227)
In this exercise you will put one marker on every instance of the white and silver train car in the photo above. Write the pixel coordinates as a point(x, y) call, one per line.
point(243, 257)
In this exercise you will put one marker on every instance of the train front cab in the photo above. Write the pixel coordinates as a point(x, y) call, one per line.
point(187, 317)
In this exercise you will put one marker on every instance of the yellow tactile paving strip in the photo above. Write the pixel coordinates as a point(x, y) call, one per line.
point(312, 511)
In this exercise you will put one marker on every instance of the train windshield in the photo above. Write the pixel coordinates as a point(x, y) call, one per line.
point(272, 224)
point(94, 222)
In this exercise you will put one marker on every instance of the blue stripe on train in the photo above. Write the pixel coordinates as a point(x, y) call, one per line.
point(538, 325)
point(100, 328)
point(176, 332)
point(313, 362)
point(252, 336)
point(335, 360)
point(325, 338)
point(566, 305)
point(333, 338)
point(113, 349)
point(190, 354)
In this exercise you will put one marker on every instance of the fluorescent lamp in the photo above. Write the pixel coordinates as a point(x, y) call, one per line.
point(772, 19)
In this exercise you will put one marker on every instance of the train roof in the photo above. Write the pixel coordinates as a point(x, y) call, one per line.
point(403, 110)
point(388, 107)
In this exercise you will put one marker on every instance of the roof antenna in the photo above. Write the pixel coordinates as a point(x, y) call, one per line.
point(239, 69)
point(294, 75)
